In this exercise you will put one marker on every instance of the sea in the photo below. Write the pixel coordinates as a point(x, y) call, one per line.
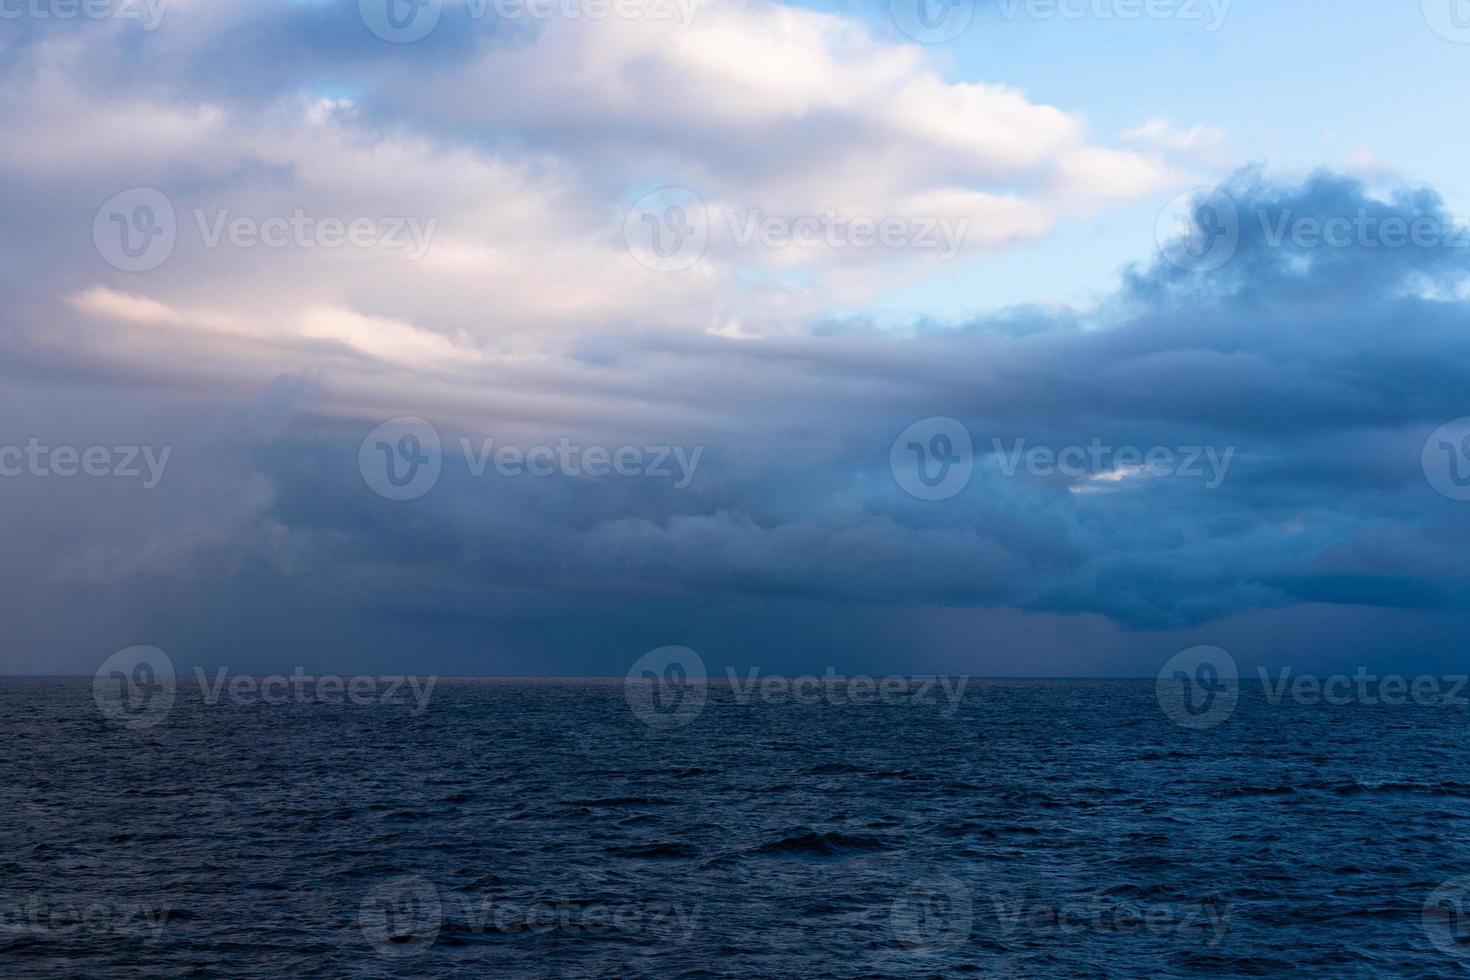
point(590, 828)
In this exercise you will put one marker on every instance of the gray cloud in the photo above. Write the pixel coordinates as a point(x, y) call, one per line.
point(795, 518)
point(1324, 369)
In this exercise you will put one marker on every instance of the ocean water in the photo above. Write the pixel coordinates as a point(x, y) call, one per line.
point(548, 829)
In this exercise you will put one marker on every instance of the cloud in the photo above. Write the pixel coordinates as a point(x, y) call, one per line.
point(1198, 144)
point(524, 146)
point(1324, 372)
point(529, 320)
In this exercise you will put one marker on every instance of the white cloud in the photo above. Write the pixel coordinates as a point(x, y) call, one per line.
point(526, 156)
point(1205, 145)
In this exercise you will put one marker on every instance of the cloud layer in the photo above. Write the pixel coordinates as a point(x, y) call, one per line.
point(517, 152)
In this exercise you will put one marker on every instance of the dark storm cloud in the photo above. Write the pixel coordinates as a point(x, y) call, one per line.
point(1324, 370)
point(1320, 368)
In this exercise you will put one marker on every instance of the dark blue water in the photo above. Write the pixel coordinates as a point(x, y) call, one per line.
point(540, 829)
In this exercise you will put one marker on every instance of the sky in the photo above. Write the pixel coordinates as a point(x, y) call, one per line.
point(1005, 338)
